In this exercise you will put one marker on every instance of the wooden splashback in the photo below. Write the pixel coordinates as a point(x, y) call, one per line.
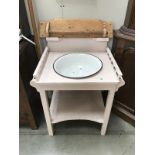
point(69, 28)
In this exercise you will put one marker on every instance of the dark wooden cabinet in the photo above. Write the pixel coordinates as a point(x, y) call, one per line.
point(26, 116)
point(124, 53)
point(30, 108)
point(23, 20)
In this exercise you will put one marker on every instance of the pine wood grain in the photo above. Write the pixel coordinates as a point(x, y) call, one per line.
point(76, 28)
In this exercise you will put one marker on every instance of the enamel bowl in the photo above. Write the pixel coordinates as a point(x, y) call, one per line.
point(77, 65)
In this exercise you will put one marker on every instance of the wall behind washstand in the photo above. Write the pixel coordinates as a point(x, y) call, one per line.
point(110, 10)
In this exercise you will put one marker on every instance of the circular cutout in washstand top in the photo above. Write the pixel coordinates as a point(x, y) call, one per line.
point(77, 65)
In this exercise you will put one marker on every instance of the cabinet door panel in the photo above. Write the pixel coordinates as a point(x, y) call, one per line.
point(124, 104)
point(127, 93)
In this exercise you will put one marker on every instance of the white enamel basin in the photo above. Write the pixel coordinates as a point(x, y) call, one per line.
point(77, 65)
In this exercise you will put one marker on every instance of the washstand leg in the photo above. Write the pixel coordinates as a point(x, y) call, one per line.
point(107, 111)
point(45, 104)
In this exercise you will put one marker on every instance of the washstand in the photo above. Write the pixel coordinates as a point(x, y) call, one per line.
point(77, 68)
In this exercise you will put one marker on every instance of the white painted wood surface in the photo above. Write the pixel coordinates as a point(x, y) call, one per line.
point(41, 64)
point(77, 105)
point(46, 110)
point(107, 112)
point(48, 79)
point(105, 76)
point(113, 62)
point(77, 44)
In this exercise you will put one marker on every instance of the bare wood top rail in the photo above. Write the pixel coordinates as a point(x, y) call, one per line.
point(76, 28)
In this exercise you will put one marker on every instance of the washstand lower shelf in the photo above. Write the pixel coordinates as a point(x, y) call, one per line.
point(77, 105)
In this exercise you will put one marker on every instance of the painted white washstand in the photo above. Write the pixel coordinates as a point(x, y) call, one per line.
point(77, 98)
